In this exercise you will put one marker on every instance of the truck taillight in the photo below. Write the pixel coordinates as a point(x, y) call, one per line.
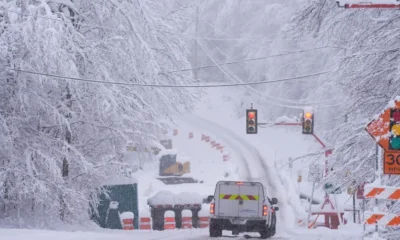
point(265, 210)
point(212, 208)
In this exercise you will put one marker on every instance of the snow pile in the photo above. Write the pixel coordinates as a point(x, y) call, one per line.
point(166, 197)
point(188, 198)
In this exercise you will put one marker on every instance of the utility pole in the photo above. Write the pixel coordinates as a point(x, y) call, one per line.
point(195, 41)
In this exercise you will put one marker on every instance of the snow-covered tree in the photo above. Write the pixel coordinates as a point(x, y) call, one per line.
point(367, 76)
point(61, 137)
point(235, 30)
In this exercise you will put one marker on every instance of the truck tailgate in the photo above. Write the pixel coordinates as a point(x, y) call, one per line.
point(251, 205)
point(227, 206)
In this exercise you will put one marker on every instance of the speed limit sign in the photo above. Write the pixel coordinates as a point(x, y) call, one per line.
point(392, 162)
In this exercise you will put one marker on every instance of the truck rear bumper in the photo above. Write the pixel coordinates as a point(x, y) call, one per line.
point(248, 226)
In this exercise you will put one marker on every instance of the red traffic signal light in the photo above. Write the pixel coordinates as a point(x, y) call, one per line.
point(251, 115)
point(251, 121)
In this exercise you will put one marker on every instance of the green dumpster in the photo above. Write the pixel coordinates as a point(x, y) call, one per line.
point(121, 198)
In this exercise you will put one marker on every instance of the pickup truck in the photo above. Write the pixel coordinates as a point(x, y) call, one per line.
point(241, 207)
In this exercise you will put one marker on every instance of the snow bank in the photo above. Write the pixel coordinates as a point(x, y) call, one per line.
point(166, 197)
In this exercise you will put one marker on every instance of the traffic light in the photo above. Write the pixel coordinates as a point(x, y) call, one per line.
point(251, 121)
point(308, 122)
point(394, 140)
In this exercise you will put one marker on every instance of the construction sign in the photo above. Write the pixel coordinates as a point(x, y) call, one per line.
point(385, 129)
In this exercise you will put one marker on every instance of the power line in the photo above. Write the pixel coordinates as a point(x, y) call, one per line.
point(247, 60)
point(171, 86)
point(288, 101)
point(263, 74)
point(233, 77)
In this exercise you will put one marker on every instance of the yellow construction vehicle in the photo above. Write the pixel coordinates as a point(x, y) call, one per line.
point(170, 167)
point(171, 171)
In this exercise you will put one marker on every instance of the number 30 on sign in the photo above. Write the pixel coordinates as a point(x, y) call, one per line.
point(391, 163)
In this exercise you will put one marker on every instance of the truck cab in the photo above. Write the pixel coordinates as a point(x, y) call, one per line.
point(241, 207)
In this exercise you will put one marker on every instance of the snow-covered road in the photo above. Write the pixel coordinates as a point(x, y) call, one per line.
point(194, 234)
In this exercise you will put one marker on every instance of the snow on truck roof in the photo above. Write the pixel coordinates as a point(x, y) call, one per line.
point(166, 197)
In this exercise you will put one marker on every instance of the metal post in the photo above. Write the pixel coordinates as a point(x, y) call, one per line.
point(377, 175)
point(309, 209)
point(363, 210)
point(354, 206)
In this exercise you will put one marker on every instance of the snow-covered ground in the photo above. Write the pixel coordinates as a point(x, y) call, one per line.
point(262, 157)
point(351, 233)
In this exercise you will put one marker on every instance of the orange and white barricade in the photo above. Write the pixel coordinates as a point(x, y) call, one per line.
point(387, 193)
point(144, 221)
point(127, 220)
point(203, 221)
point(169, 220)
point(186, 219)
point(385, 219)
point(377, 217)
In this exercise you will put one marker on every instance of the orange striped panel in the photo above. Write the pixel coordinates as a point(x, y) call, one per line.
point(395, 195)
point(127, 221)
point(374, 192)
point(374, 218)
point(394, 222)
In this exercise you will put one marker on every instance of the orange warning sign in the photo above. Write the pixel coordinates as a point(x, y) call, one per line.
point(391, 164)
point(379, 129)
